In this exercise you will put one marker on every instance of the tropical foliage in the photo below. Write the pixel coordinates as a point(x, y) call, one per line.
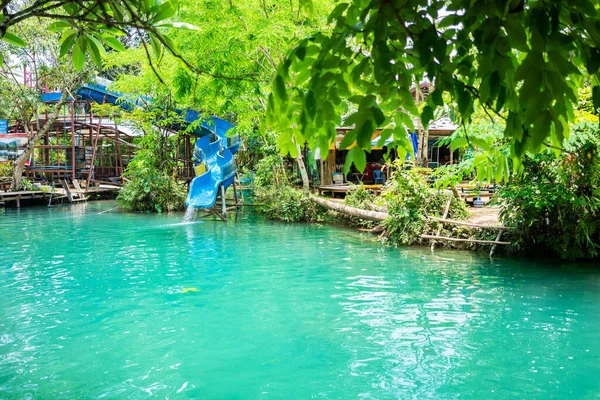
point(522, 61)
point(151, 183)
point(411, 202)
point(288, 204)
point(554, 205)
point(88, 28)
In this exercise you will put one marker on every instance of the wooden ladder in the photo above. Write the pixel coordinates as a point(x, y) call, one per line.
point(444, 220)
point(75, 196)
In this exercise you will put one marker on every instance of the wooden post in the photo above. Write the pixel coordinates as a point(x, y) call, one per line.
point(46, 150)
point(188, 156)
point(451, 156)
point(19, 201)
point(498, 237)
point(95, 145)
point(322, 170)
point(328, 169)
point(177, 154)
point(91, 138)
point(223, 204)
point(72, 140)
point(235, 193)
point(120, 171)
point(446, 210)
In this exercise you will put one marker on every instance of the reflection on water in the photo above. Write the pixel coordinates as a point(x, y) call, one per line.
point(129, 305)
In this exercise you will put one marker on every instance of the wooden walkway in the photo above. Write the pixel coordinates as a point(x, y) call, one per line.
point(23, 195)
point(76, 194)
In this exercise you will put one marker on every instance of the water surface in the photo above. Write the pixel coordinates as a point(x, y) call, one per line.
point(115, 305)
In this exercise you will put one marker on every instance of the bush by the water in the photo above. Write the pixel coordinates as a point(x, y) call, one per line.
point(554, 204)
point(410, 202)
point(288, 204)
point(150, 177)
point(360, 197)
point(153, 192)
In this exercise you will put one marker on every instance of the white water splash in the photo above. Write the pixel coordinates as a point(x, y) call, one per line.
point(190, 213)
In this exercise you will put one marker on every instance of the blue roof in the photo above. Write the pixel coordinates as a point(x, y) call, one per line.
point(99, 93)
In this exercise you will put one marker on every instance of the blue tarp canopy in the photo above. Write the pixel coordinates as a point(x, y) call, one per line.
point(413, 139)
point(99, 93)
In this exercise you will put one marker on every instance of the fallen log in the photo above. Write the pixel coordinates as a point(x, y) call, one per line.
point(378, 208)
point(352, 211)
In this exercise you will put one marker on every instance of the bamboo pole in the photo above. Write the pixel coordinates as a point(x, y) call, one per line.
point(464, 240)
point(93, 155)
point(446, 210)
point(469, 224)
point(498, 237)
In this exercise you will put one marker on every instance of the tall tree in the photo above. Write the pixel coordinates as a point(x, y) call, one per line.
point(240, 43)
point(41, 56)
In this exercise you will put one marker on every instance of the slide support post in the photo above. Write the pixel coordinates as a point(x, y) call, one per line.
point(223, 204)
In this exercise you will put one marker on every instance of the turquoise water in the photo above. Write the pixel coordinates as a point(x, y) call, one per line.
point(92, 306)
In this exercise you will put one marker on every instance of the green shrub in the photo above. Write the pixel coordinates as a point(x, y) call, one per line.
point(28, 185)
point(153, 192)
point(410, 202)
point(360, 197)
point(288, 204)
point(554, 204)
point(6, 171)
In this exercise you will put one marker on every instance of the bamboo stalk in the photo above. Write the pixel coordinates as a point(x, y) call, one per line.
point(464, 240)
point(446, 210)
point(469, 224)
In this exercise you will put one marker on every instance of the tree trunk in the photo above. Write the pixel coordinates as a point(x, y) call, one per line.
point(378, 208)
point(455, 191)
point(302, 168)
point(19, 163)
point(419, 155)
point(352, 211)
point(425, 157)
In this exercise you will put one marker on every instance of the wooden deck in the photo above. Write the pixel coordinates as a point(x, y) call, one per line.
point(23, 195)
point(16, 197)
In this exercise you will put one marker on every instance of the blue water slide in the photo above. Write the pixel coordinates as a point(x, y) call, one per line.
point(215, 168)
point(214, 150)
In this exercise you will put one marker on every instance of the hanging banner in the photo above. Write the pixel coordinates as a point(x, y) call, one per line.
point(11, 145)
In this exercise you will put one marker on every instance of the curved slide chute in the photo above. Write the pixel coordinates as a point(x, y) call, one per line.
point(215, 172)
point(213, 154)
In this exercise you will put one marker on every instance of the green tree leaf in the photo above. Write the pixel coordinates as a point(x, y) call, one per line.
point(13, 39)
point(113, 42)
point(79, 53)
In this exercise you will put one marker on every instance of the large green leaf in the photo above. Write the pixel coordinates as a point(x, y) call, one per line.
point(164, 11)
point(113, 42)
point(58, 26)
point(79, 53)
point(97, 49)
point(67, 41)
point(13, 39)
